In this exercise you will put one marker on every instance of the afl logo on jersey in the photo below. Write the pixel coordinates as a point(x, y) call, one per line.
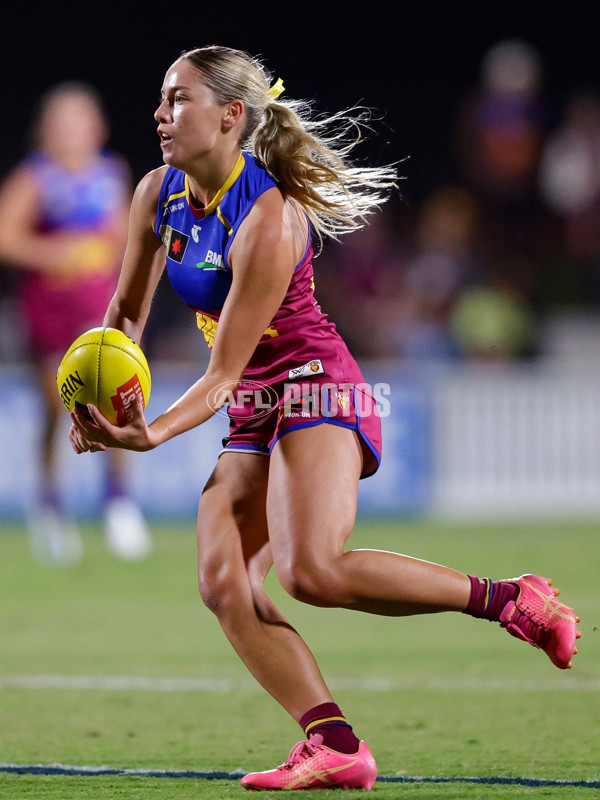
point(175, 241)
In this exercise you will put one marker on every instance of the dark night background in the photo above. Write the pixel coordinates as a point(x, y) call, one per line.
point(411, 61)
point(459, 270)
point(415, 64)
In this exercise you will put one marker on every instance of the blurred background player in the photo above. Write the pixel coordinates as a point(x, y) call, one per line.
point(63, 227)
point(500, 133)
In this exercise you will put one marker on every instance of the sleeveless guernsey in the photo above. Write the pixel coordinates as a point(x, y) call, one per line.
point(299, 343)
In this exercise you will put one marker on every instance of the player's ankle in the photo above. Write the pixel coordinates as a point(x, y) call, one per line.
point(328, 721)
point(489, 598)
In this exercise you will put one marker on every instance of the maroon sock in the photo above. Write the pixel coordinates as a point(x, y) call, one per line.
point(327, 719)
point(488, 598)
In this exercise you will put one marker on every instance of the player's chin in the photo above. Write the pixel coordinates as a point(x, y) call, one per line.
point(174, 159)
point(167, 154)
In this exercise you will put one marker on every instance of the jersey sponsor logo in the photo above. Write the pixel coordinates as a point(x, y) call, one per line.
point(305, 407)
point(175, 207)
point(212, 261)
point(175, 241)
point(314, 367)
point(195, 231)
point(314, 399)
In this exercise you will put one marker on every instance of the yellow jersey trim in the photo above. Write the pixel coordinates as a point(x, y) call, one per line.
point(228, 227)
point(229, 181)
point(175, 196)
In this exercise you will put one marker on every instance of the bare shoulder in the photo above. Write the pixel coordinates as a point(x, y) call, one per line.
point(148, 189)
point(19, 201)
point(269, 207)
point(145, 198)
point(273, 218)
point(20, 180)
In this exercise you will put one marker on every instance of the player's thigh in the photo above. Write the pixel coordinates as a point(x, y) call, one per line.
point(313, 489)
point(232, 525)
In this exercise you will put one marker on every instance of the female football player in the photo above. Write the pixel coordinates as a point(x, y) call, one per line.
point(249, 180)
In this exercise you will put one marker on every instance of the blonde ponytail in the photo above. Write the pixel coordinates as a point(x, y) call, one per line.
point(309, 155)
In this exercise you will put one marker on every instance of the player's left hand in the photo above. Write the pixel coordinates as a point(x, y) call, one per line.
point(92, 432)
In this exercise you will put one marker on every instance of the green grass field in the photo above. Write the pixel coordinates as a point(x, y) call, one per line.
point(108, 664)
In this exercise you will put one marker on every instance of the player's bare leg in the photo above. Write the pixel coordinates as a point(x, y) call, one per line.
point(233, 560)
point(312, 501)
point(309, 490)
point(311, 508)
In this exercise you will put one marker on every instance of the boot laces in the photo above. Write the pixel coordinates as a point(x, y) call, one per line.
point(298, 753)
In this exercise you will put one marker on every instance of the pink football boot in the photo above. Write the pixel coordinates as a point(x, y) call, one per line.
point(537, 617)
point(311, 765)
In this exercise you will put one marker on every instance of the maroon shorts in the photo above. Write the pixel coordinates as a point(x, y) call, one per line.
point(259, 415)
point(55, 315)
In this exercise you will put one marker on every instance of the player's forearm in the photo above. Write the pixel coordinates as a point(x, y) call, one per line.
point(30, 252)
point(130, 306)
point(125, 319)
point(197, 405)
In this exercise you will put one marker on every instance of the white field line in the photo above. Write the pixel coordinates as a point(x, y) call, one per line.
point(65, 769)
point(105, 770)
point(146, 684)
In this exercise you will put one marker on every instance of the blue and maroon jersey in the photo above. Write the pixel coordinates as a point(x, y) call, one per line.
point(198, 244)
point(78, 201)
point(299, 345)
point(58, 306)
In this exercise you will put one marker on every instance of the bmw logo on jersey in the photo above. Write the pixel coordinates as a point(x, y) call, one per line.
point(196, 265)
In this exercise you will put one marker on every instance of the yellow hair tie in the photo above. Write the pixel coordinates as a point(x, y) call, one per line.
point(277, 89)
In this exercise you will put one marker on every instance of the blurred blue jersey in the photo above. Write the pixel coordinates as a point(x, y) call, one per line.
point(78, 201)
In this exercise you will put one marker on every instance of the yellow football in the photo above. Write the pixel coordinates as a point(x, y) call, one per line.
point(105, 367)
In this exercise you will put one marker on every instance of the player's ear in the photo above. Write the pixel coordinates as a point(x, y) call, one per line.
point(232, 115)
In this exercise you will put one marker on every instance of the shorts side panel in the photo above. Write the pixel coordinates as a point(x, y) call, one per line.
point(348, 406)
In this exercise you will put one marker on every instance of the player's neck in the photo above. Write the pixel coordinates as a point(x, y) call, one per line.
point(74, 161)
point(206, 179)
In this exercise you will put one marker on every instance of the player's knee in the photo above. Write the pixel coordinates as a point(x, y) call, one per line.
point(215, 587)
point(309, 583)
